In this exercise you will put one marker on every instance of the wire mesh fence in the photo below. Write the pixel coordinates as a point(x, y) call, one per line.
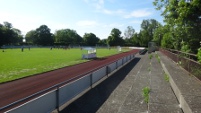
point(185, 60)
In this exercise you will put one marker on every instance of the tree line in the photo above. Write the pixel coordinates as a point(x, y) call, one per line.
point(182, 29)
point(43, 36)
point(9, 35)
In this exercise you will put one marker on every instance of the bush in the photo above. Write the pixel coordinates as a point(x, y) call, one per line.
point(199, 55)
point(167, 41)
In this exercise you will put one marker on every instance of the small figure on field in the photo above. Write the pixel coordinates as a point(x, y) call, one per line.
point(50, 48)
point(22, 49)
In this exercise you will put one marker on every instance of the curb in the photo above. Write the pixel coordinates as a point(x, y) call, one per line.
point(183, 104)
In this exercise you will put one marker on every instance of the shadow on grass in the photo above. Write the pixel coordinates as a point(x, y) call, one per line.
point(93, 99)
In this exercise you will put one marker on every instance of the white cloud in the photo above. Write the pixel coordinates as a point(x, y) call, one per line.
point(114, 25)
point(139, 13)
point(98, 4)
point(86, 23)
point(118, 12)
point(106, 11)
point(136, 22)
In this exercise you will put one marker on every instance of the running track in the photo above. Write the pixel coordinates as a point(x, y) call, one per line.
point(15, 90)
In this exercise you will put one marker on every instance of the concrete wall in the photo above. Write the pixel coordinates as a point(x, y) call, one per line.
point(97, 75)
point(69, 91)
point(119, 63)
point(112, 67)
point(53, 99)
point(43, 104)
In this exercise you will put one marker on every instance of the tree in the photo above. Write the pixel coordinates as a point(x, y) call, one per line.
point(103, 42)
point(115, 38)
point(148, 28)
point(167, 41)
point(183, 19)
point(43, 36)
point(129, 32)
point(9, 35)
point(67, 36)
point(18, 37)
point(159, 33)
point(90, 39)
point(199, 55)
point(8, 25)
point(135, 40)
point(30, 36)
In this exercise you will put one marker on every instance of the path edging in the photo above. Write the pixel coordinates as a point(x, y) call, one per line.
point(183, 104)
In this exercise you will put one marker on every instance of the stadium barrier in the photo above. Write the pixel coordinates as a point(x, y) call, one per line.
point(185, 60)
point(67, 93)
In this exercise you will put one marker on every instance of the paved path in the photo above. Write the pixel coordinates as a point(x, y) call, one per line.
point(122, 92)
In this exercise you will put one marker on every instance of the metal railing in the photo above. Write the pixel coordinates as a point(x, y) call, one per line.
point(185, 60)
point(185, 54)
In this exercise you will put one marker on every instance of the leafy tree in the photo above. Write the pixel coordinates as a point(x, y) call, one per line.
point(102, 42)
point(30, 36)
point(135, 39)
point(17, 36)
point(167, 41)
point(9, 35)
point(129, 32)
point(115, 38)
point(8, 25)
point(185, 47)
point(43, 36)
point(159, 33)
point(199, 55)
point(90, 39)
point(67, 36)
point(148, 28)
point(183, 19)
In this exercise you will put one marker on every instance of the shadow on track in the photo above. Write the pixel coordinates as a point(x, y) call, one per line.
point(93, 99)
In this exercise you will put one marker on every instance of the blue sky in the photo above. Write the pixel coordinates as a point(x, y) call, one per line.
point(84, 16)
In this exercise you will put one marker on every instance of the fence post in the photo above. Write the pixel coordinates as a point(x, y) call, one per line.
point(57, 99)
point(122, 61)
point(91, 79)
point(117, 64)
point(107, 70)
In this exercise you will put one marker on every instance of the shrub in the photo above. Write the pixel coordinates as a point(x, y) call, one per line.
point(146, 91)
point(199, 55)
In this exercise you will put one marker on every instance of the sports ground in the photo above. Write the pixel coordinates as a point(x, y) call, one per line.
point(16, 64)
point(43, 81)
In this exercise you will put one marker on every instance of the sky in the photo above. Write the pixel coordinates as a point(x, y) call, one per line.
point(84, 16)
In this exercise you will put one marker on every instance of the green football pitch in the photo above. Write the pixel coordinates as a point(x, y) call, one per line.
point(15, 64)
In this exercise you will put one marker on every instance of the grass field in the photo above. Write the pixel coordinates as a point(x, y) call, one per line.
point(15, 64)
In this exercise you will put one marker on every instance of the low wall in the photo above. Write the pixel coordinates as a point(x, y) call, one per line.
point(189, 65)
point(52, 100)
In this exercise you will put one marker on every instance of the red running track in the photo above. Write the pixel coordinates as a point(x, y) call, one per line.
point(15, 90)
